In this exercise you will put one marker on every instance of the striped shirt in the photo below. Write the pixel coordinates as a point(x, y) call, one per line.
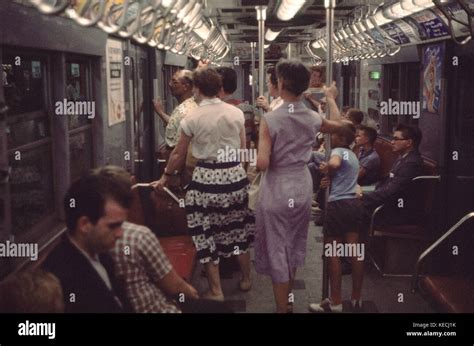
point(140, 264)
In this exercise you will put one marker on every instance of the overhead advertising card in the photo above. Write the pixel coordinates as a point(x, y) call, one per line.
point(395, 32)
point(428, 24)
point(433, 57)
point(115, 92)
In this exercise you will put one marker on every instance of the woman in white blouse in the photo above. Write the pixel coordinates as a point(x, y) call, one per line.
point(217, 198)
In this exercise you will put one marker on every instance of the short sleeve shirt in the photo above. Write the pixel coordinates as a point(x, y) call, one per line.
point(344, 180)
point(213, 126)
point(370, 161)
point(173, 127)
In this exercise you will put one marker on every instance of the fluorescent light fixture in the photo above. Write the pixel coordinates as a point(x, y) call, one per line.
point(288, 9)
point(266, 45)
point(270, 35)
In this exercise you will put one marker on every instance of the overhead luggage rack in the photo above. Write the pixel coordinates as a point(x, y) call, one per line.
point(176, 25)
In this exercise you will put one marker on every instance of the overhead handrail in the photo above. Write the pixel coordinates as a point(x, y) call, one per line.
point(89, 13)
point(451, 18)
point(433, 246)
point(45, 6)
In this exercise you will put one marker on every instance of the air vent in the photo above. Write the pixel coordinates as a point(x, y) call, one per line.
point(231, 10)
point(230, 26)
point(255, 2)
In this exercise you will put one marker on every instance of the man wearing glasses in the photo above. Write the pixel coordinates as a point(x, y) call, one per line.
point(400, 199)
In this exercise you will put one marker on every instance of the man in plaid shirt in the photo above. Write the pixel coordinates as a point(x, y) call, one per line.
point(146, 276)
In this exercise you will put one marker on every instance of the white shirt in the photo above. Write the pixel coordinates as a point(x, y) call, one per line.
point(276, 103)
point(213, 126)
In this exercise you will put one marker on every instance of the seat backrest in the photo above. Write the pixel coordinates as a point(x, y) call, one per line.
point(387, 156)
point(428, 187)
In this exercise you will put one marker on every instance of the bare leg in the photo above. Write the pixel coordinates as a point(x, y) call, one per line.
point(281, 291)
point(244, 263)
point(212, 271)
point(335, 274)
point(357, 268)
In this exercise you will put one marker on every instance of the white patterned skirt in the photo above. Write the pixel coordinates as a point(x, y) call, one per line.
point(217, 211)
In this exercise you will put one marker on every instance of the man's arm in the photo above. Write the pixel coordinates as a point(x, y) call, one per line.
point(160, 110)
point(264, 147)
point(393, 186)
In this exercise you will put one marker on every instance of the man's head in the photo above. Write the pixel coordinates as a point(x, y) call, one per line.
point(229, 79)
point(207, 81)
point(343, 136)
point(355, 116)
point(366, 135)
point(31, 292)
point(406, 138)
point(95, 207)
point(317, 77)
point(293, 76)
point(181, 83)
point(272, 81)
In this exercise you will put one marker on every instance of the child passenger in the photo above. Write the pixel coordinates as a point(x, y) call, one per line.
point(342, 221)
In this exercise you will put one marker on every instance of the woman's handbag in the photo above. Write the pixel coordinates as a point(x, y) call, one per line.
point(254, 190)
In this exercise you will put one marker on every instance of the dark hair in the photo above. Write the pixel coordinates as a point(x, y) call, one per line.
point(273, 76)
point(346, 131)
point(294, 74)
point(116, 173)
point(229, 79)
point(32, 291)
point(87, 197)
point(208, 81)
point(410, 132)
point(356, 116)
point(370, 132)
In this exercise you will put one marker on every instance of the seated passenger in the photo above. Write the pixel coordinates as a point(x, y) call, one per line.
point(143, 270)
point(355, 116)
point(95, 210)
point(368, 158)
point(342, 223)
point(34, 291)
point(401, 205)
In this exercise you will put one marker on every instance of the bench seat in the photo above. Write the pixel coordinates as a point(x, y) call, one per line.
point(182, 254)
point(449, 294)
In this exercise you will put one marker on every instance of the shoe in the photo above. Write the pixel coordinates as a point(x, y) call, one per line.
point(245, 286)
point(325, 306)
point(356, 305)
point(208, 295)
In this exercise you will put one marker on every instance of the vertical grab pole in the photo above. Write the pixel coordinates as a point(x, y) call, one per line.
point(261, 17)
point(329, 5)
point(252, 70)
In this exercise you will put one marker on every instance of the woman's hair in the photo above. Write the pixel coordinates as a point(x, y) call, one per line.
point(295, 76)
point(208, 81)
point(273, 76)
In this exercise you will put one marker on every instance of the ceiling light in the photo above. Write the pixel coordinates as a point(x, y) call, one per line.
point(270, 35)
point(288, 9)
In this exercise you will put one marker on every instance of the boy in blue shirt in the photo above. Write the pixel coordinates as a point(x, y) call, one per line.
point(343, 220)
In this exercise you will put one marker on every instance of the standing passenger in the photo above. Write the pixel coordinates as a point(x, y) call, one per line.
point(216, 201)
point(284, 203)
point(272, 86)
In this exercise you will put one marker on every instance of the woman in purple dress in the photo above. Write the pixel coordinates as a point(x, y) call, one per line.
point(284, 204)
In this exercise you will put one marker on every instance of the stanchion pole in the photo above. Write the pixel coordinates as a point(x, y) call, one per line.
point(261, 17)
point(252, 70)
point(329, 5)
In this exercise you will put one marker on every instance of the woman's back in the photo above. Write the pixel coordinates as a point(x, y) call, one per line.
point(293, 129)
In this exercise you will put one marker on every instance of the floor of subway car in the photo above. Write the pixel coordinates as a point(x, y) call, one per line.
point(379, 294)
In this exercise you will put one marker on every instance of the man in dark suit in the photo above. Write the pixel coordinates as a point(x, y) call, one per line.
point(95, 209)
point(396, 192)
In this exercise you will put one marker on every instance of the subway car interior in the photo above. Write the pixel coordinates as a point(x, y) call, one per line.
point(88, 84)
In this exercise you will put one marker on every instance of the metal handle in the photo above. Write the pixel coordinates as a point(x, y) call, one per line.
point(435, 245)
